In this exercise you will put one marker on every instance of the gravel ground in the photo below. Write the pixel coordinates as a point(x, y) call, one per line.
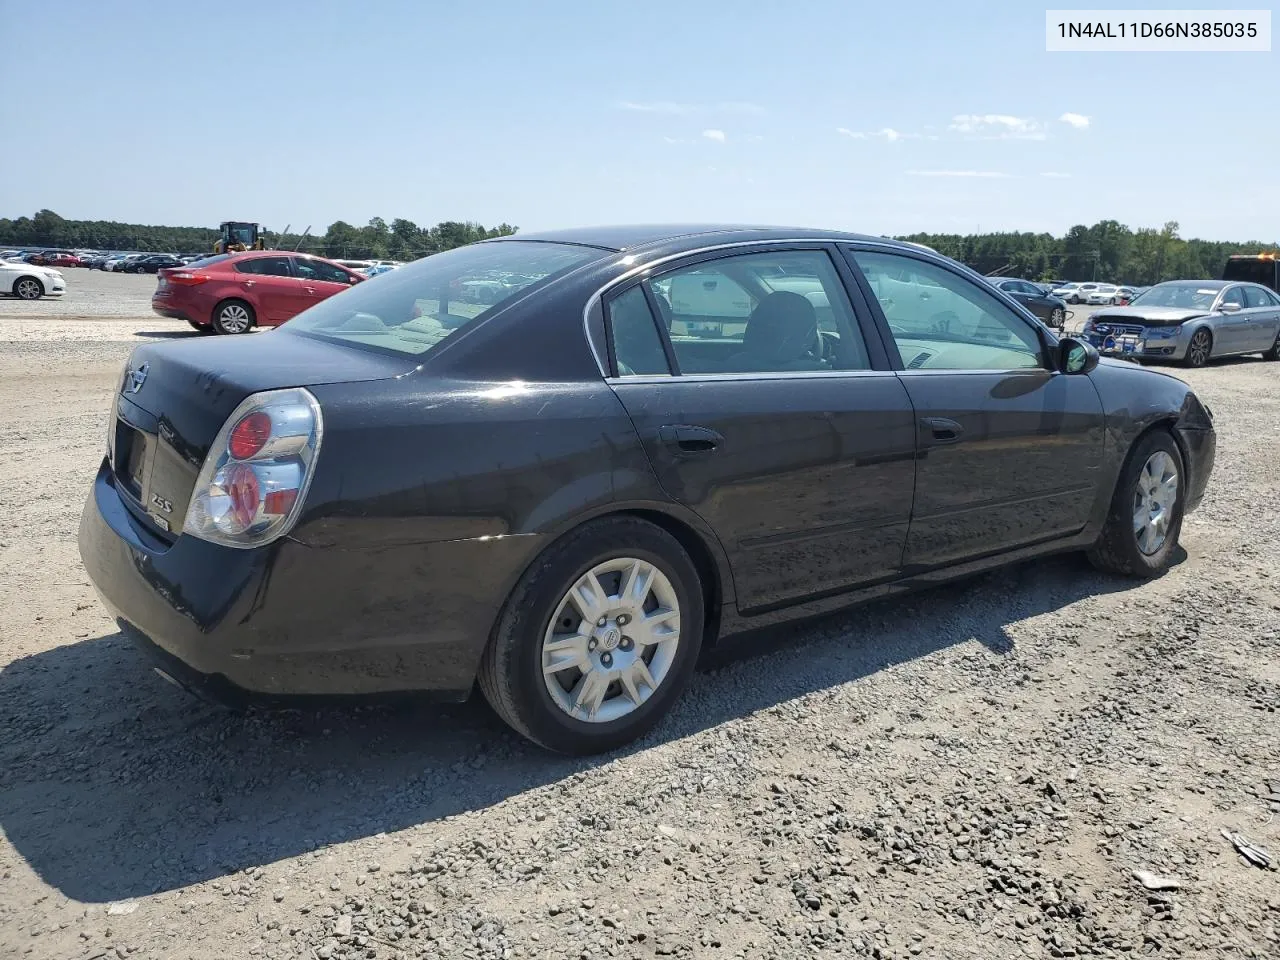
point(976, 771)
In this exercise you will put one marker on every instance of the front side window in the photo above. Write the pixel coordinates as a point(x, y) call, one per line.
point(415, 307)
point(1234, 295)
point(310, 269)
point(265, 266)
point(943, 321)
point(775, 312)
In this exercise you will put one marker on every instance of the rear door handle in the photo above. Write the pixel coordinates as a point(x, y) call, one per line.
point(690, 439)
point(942, 430)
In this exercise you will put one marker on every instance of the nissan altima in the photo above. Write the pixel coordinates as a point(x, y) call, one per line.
point(1192, 321)
point(561, 494)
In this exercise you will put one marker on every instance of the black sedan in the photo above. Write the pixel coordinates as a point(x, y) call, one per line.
point(153, 264)
point(1035, 298)
point(565, 494)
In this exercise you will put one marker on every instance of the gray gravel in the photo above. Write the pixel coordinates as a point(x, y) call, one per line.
point(976, 771)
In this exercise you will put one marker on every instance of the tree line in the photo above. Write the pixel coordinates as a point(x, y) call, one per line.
point(377, 240)
point(1108, 250)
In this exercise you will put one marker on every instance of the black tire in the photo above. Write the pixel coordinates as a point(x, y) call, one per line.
point(28, 288)
point(1058, 318)
point(199, 327)
point(1274, 352)
point(1117, 549)
point(1197, 357)
point(225, 318)
point(510, 672)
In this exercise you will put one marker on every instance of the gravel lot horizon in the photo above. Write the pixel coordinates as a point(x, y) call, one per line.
point(974, 771)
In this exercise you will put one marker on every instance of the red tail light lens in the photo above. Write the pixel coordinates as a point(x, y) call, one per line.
point(186, 278)
point(250, 435)
point(254, 480)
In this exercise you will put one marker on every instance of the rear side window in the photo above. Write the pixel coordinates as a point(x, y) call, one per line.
point(637, 348)
point(265, 266)
point(770, 312)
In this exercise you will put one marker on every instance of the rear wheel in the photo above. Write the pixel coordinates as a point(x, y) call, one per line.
point(1200, 348)
point(233, 316)
point(28, 288)
point(1145, 519)
point(598, 639)
point(1274, 352)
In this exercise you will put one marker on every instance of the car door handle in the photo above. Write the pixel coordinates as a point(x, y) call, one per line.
point(942, 430)
point(309, 289)
point(690, 439)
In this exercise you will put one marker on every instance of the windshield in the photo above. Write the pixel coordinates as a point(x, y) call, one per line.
point(414, 307)
point(1187, 296)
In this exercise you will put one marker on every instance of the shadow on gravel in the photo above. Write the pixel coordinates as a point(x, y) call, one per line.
point(168, 334)
point(114, 784)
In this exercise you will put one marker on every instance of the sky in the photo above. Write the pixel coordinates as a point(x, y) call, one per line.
point(885, 118)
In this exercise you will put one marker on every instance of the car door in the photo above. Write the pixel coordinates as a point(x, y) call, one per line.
point(1231, 327)
point(788, 434)
point(1262, 318)
point(321, 279)
point(1010, 449)
point(269, 284)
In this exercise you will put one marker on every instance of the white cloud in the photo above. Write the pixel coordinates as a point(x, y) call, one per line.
point(1077, 120)
point(1052, 175)
point(658, 106)
point(887, 134)
point(716, 135)
point(984, 174)
point(996, 126)
point(675, 109)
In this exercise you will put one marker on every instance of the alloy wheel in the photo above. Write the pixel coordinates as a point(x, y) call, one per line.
point(1056, 318)
point(29, 289)
point(235, 318)
point(612, 641)
point(1198, 351)
point(1154, 497)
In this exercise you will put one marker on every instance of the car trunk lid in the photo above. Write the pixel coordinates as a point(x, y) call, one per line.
point(174, 397)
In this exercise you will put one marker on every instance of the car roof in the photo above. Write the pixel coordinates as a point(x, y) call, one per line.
point(679, 236)
point(1205, 284)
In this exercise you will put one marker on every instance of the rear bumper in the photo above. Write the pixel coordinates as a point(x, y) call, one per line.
point(290, 620)
point(165, 309)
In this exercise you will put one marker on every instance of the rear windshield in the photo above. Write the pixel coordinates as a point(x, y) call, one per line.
point(414, 307)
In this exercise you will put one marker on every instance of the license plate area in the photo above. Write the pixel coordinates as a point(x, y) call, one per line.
point(131, 459)
point(1122, 345)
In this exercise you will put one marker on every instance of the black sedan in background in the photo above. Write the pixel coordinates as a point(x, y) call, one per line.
point(566, 494)
point(153, 264)
point(1050, 309)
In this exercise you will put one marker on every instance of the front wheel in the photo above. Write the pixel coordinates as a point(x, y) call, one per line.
point(233, 316)
point(28, 288)
point(1200, 348)
point(1058, 318)
point(1145, 519)
point(598, 639)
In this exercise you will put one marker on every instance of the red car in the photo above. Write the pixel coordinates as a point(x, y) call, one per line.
point(235, 292)
point(55, 259)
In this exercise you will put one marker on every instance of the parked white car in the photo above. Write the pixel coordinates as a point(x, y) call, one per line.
point(1102, 293)
point(29, 282)
point(1075, 292)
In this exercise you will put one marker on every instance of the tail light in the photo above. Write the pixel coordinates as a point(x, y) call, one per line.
point(187, 278)
point(255, 478)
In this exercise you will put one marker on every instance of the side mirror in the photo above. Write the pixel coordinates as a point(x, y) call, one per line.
point(1076, 356)
point(1229, 308)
